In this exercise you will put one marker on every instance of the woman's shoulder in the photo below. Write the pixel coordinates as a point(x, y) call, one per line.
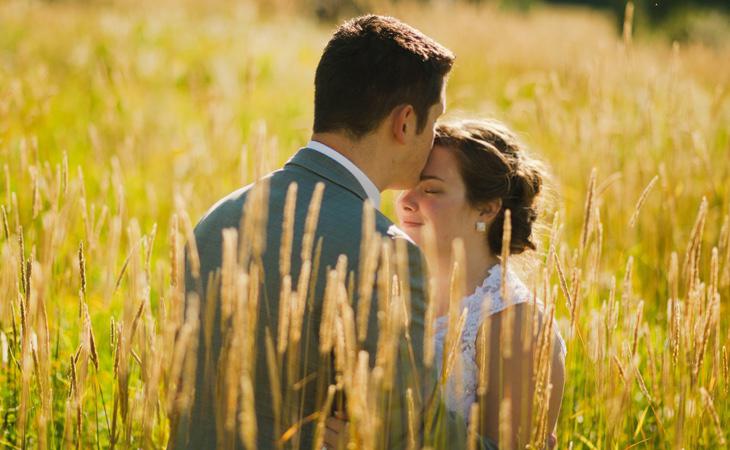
point(489, 298)
point(517, 298)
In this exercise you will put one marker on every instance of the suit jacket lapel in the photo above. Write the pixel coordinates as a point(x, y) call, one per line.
point(327, 168)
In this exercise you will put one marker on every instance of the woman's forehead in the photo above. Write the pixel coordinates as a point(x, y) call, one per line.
point(441, 164)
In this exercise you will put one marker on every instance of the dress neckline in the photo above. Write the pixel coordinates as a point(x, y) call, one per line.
point(494, 272)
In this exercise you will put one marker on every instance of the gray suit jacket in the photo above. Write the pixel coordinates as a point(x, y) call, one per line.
point(339, 232)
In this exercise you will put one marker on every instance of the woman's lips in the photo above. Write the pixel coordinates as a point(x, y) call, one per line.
point(407, 223)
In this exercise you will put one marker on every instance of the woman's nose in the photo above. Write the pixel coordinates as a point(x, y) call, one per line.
point(407, 201)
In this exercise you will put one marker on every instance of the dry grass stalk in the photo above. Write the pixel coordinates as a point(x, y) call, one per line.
point(4, 349)
point(642, 383)
point(6, 226)
point(323, 413)
point(724, 250)
point(247, 418)
point(554, 234)
point(694, 247)
point(310, 224)
point(626, 290)
point(82, 272)
point(24, 275)
point(347, 315)
point(15, 210)
point(595, 262)
point(456, 293)
point(182, 369)
point(563, 283)
point(384, 276)
point(229, 268)
point(285, 303)
point(612, 311)
point(36, 196)
point(542, 366)
point(452, 347)
point(726, 368)
point(369, 252)
point(287, 232)
point(429, 249)
point(675, 308)
point(505, 423)
point(637, 327)
point(621, 370)
point(390, 337)
point(64, 173)
point(253, 226)
point(299, 304)
point(504, 260)
point(175, 256)
point(41, 350)
point(575, 297)
point(483, 356)
point(149, 243)
point(709, 404)
point(473, 429)
point(713, 287)
point(6, 172)
point(642, 198)
point(628, 23)
point(588, 213)
point(703, 339)
point(412, 421)
point(401, 264)
point(71, 399)
point(329, 310)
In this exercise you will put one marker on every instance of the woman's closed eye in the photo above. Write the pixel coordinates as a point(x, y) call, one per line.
point(431, 187)
point(431, 184)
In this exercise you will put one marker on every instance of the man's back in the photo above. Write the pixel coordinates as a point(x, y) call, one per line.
point(286, 378)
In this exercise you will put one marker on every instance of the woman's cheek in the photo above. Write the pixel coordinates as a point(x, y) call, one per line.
point(440, 215)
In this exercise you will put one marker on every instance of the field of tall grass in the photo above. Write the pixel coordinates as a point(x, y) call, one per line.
point(121, 123)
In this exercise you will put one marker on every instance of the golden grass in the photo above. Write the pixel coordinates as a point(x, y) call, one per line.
point(121, 124)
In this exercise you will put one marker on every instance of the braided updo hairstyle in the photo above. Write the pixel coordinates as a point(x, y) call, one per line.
point(495, 165)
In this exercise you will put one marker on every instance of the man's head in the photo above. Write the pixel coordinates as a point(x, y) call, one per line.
point(377, 73)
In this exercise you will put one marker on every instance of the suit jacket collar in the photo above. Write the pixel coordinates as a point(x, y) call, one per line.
point(327, 168)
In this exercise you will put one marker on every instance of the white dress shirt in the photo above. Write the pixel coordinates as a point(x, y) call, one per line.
point(367, 184)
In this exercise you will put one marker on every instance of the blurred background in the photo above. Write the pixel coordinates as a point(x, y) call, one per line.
point(682, 20)
point(120, 118)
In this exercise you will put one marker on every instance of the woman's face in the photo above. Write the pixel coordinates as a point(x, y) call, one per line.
point(439, 200)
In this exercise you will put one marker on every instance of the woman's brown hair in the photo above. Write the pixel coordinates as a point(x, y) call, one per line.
point(495, 165)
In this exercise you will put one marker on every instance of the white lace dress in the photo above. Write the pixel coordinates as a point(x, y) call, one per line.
point(486, 300)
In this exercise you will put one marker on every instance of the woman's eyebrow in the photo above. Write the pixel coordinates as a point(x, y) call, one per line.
point(430, 177)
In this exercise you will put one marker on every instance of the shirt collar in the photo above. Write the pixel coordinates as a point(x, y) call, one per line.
point(367, 184)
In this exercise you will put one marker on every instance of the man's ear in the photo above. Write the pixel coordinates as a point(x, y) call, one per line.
point(489, 210)
point(403, 122)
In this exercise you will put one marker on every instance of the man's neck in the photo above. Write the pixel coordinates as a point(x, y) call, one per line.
point(363, 153)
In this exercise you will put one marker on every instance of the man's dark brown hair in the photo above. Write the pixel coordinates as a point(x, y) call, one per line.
point(371, 65)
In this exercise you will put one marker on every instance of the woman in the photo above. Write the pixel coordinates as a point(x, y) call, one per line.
point(476, 171)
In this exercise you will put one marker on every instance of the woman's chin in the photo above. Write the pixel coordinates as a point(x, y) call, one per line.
point(413, 231)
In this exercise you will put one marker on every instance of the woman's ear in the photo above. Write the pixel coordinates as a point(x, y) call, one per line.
point(403, 116)
point(489, 210)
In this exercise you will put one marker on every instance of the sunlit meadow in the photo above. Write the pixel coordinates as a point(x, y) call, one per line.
point(121, 123)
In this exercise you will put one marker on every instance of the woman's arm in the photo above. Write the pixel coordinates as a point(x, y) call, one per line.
point(507, 349)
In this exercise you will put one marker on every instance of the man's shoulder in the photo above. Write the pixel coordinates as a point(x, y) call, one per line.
point(227, 211)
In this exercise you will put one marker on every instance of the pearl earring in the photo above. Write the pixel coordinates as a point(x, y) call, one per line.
point(481, 226)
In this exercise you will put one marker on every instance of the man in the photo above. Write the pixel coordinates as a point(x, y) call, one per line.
point(379, 89)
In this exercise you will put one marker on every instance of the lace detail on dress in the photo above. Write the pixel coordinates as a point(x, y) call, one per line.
point(461, 386)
